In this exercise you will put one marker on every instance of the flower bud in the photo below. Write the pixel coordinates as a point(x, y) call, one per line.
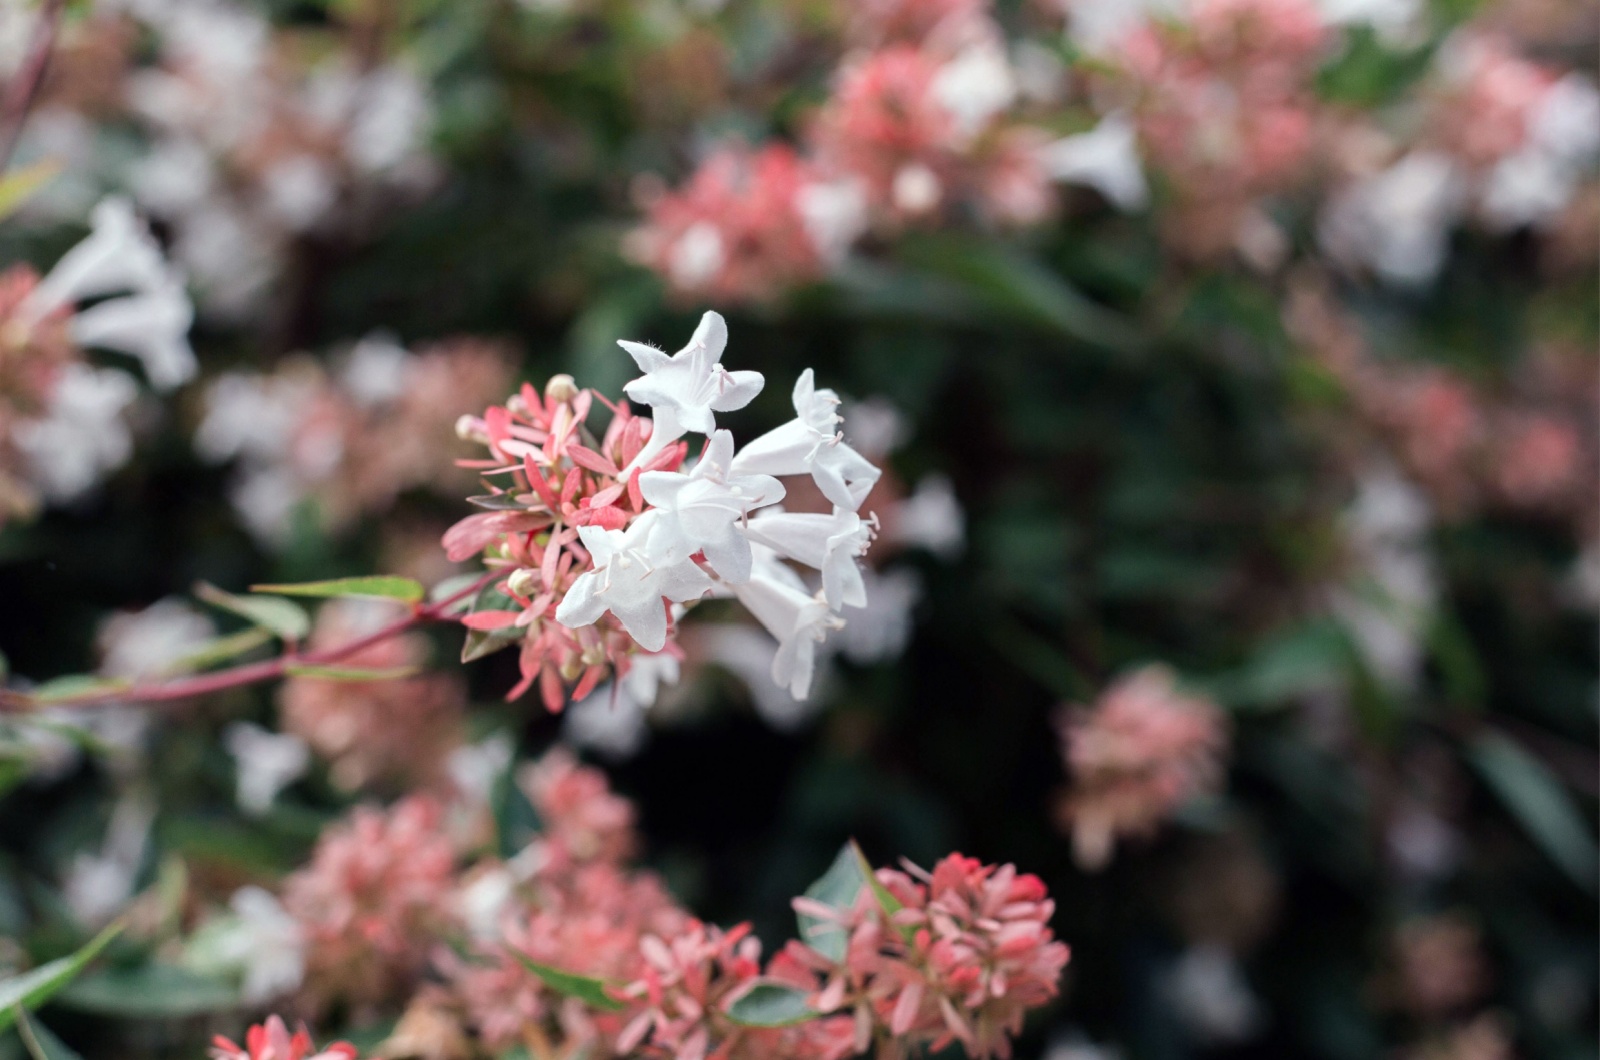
point(522, 581)
point(472, 429)
point(561, 388)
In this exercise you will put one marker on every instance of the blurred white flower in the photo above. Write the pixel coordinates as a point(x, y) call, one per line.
point(257, 942)
point(474, 767)
point(98, 885)
point(144, 644)
point(932, 518)
point(1106, 158)
point(83, 435)
point(1397, 222)
point(1208, 991)
point(266, 762)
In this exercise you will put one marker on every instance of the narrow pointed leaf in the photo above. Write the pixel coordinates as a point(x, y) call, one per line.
point(40, 1041)
point(1539, 803)
point(349, 673)
point(287, 619)
point(590, 991)
point(384, 586)
point(25, 992)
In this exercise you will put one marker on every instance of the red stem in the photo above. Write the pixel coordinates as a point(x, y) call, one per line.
point(250, 673)
point(24, 87)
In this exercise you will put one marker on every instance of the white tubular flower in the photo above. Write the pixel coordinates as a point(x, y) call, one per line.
point(267, 762)
point(258, 942)
point(83, 436)
point(1106, 158)
point(630, 579)
point(118, 255)
point(701, 510)
point(829, 543)
point(692, 382)
point(152, 325)
point(811, 443)
point(800, 622)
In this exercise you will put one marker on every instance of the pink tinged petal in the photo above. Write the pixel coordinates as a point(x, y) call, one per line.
point(905, 1009)
point(488, 620)
point(591, 460)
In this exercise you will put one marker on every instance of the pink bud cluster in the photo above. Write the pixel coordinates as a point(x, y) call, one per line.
point(916, 127)
point(272, 1041)
point(547, 483)
point(1223, 104)
point(372, 902)
point(965, 952)
point(1141, 751)
point(394, 912)
point(1529, 446)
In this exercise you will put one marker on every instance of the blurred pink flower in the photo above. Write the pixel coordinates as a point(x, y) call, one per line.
point(1139, 753)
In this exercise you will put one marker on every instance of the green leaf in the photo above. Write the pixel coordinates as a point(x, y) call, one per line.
point(590, 991)
point(149, 991)
point(18, 185)
point(72, 686)
point(486, 642)
point(838, 888)
point(1539, 803)
point(386, 586)
point(349, 673)
point(31, 989)
point(516, 821)
point(886, 900)
point(221, 650)
point(40, 1041)
point(771, 1004)
point(287, 619)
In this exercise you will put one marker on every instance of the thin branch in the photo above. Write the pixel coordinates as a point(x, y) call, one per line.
point(24, 87)
point(250, 673)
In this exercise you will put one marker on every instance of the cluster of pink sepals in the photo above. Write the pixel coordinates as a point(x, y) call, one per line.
point(891, 961)
point(547, 483)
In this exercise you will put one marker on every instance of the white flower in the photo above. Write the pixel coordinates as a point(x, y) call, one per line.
point(152, 325)
point(144, 644)
point(1106, 158)
point(931, 518)
point(1097, 25)
point(879, 631)
point(810, 443)
point(117, 255)
point(300, 191)
point(483, 900)
point(696, 256)
point(975, 86)
point(375, 373)
point(258, 942)
point(691, 383)
point(800, 622)
point(828, 543)
point(916, 189)
point(747, 653)
point(267, 762)
point(98, 885)
point(834, 213)
point(1394, 20)
point(83, 436)
point(630, 581)
point(611, 719)
point(474, 768)
point(1210, 994)
point(1397, 221)
point(702, 509)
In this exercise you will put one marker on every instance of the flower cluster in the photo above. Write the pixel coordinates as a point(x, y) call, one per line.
point(929, 959)
point(350, 441)
point(915, 129)
point(61, 425)
point(251, 147)
point(958, 954)
point(272, 1041)
point(603, 540)
point(370, 902)
point(1141, 751)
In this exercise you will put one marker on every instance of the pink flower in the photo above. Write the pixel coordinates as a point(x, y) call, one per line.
point(1139, 753)
point(1539, 462)
point(372, 901)
point(583, 821)
point(736, 230)
point(886, 127)
point(272, 1041)
point(968, 952)
point(1487, 96)
point(877, 22)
